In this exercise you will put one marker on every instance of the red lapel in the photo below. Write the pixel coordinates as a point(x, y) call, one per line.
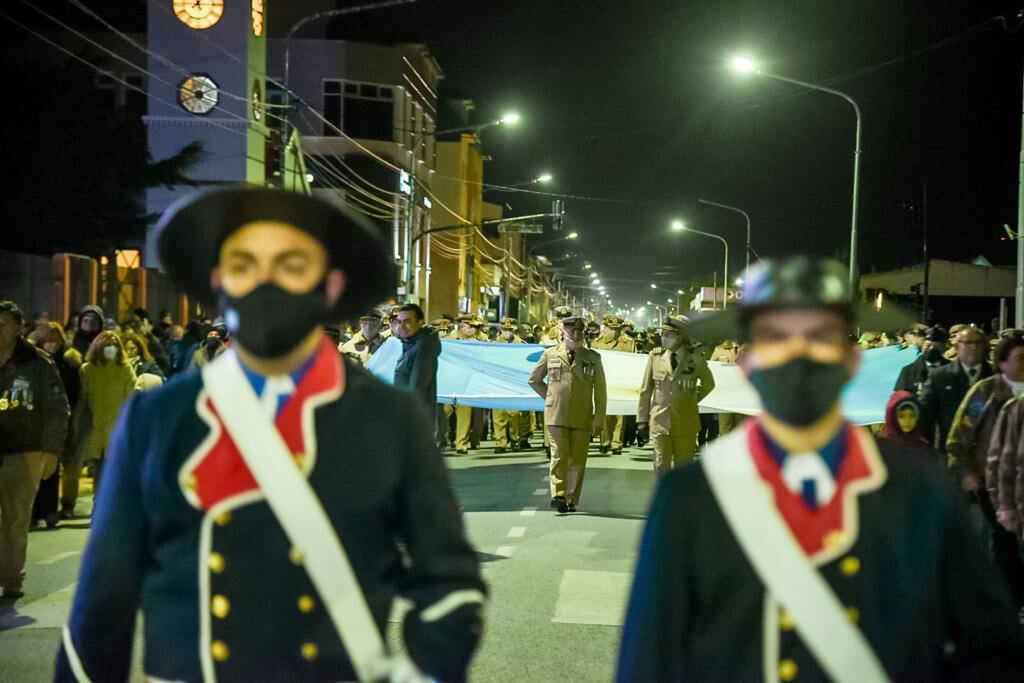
point(220, 472)
point(812, 528)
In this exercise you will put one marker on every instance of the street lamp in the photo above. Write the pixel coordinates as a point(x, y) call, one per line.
point(570, 236)
point(746, 65)
point(735, 210)
point(725, 277)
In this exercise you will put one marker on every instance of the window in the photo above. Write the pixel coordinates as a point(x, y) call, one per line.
point(361, 110)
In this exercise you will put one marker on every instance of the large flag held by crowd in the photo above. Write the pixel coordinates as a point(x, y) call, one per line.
point(486, 375)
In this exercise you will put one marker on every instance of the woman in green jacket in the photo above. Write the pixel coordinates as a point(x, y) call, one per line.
point(107, 381)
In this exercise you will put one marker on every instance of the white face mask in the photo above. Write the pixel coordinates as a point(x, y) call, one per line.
point(110, 352)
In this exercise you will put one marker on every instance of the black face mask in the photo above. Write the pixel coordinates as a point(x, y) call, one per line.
point(270, 321)
point(932, 355)
point(801, 391)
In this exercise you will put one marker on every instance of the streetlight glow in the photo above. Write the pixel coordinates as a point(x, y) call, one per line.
point(654, 286)
point(544, 178)
point(596, 282)
point(743, 65)
point(739, 282)
point(678, 226)
point(679, 291)
point(572, 235)
point(593, 275)
point(509, 119)
point(587, 266)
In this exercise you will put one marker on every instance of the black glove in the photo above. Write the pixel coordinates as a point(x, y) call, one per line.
point(444, 648)
point(643, 431)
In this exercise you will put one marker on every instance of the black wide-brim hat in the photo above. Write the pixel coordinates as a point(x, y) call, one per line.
point(798, 282)
point(192, 230)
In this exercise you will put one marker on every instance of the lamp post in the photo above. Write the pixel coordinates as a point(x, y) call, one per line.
point(745, 65)
point(746, 265)
point(570, 236)
point(679, 226)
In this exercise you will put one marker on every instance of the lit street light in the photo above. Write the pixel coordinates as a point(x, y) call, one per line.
point(654, 286)
point(725, 276)
point(746, 65)
point(543, 178)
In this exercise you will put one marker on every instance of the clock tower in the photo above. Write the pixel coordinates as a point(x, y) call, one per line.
point(208, 60)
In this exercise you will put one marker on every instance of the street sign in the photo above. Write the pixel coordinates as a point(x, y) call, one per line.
point(525, 228)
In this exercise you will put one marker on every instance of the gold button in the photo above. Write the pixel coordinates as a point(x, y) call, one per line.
point(310, 651)
point(191, 483)
point(296, 556)
point(850, 566)
point(220, 606)
point(853, 614)
point(216, 563)
point(786, 622)
point(787, 670)
point(223, 518)
point(300, 460)
point(306, 604)
point(219, 650)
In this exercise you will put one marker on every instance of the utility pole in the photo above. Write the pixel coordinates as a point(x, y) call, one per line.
point(1018, 301)
point(927, 265)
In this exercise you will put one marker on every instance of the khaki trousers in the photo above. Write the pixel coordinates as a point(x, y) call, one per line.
point(568, 461)
point(672, 451)
point(506, 422)
point(611, 435)
point(19, 480)
point(468, 427)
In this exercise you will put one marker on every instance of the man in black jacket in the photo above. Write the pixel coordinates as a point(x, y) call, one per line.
point(946, 387)
point(416, 369)
point(914, 375)
point(33, 424)
point(796, 548)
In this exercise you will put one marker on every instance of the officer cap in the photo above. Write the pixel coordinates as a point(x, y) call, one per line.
point(797, 282)
point(371, 315)
point(191, 232)
point(563, 312)
point(465, 318)
point(478, 322)
point(509, 323)
point(612, 322)
point(675, 323)
point(936, 334)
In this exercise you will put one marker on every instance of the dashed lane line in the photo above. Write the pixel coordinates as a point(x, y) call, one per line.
point(528, 512)
point(60, 556)
point(505, 550)
point(517, 532)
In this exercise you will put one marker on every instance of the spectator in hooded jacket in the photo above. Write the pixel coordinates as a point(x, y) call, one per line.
point(417, 367)
point(90, 324)
point(903, 422)
point(107, 382)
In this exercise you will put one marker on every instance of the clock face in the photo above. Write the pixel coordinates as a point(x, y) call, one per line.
point(198, 94)
point(199, 14)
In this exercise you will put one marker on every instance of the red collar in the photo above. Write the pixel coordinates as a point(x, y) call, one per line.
point(216, 471)
point(823, 530)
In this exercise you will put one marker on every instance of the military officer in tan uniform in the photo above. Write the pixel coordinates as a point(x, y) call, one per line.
point(613, 339)
point(675, 380)
point(574, 406)
point(468, 421)
point(509, 424)
point(367, 340)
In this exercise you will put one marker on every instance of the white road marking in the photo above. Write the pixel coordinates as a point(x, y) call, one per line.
point(60, 556)
point(540, 492)
point(592, 597)
point(505, 550)
point(517, 532)
point(546, 477)
point(528, 512)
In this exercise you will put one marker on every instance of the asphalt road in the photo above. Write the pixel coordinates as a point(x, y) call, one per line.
point(558, 583)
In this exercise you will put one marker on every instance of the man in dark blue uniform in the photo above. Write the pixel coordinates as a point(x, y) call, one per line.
point(798, 548)
point(187, 529)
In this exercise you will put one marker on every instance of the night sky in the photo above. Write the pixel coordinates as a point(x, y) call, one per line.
point(630, 105)
point(632, 102)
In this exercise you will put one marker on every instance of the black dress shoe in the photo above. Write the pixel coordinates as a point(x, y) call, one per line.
point(558, 503)
point(462, 452)
point(499, 450)
point(571, 507)
point(604, 449)
point(616, 451)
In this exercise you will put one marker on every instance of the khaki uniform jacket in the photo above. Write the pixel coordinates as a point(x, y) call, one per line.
point(514, 340)
point(357, 346)
point(607, 343)
point(1005, 459)
point(574, 396)
point(552, 337)
point(668, 400)
point(971, 431)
